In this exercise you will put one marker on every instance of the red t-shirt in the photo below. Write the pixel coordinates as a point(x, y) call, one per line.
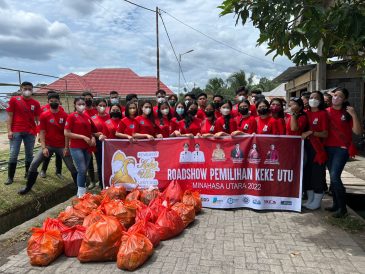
point(220, 125)
point(339, 130)
point(201, 114)
point(48, 107)
point(110, 127)
point(208, 127)
point(302, 125)
point(217, 113)
point(278, 127)
point(194, 127)
point(235, 111)
point(80, 124)
point(317, 121)
point(24, 112)
point(166, 127)
point(264, 126)
point(53, 124)
point(127, 126)
point(146, 126)
point(90, 112)
point(99, 121)
point(247, 125)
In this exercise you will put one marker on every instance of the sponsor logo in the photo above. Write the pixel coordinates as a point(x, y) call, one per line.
point(246, 200)
point(231, 201)
point(131, 126)
point(51, 121)
point(256, 202)
point(270, 202)
point(216, 201)
point(286, 203)
point(61, 121)
point(142, 122)
point(204, 199)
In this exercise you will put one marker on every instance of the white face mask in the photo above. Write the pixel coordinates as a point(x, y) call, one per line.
point(313, 103)
point(241, 98)
point(161, 100)
point(101, 109)
point(80, 108)
point(27, 93)
point(225, 111)
point(165, 111)
point(146, 111)
point(187, 102)
point(114, 101)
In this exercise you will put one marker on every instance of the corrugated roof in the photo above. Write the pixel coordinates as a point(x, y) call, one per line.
point(293, 72)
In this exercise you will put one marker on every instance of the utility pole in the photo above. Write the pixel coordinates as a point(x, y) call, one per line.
point(158, 51)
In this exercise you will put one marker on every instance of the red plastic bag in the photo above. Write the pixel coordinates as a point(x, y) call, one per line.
point(87, 203)
point(156, 206)
point(124, 212)
point(134, 250)
point(72, 238)
point(148, 229)
point(186, 212)
point(54, 224)
point(44, 246)
point(72, 216)
point(136, 203)
point(101, 241)
point(148, 195)
point(135, 194)
point(115, 192)
point(143, 213)
point(193, 198)
point(93, 217)
point(173, 193)
point(170, 222)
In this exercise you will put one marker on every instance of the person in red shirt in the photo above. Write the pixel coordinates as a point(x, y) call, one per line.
point(242, 94)
point(80, 130)
point(217, 101)
point(246, 124)
point(264, 120)
point(127, 126)
point(208, 128)
point(305, 97)
point(160, 98)
point(277, 114)
point(172, 100)
point(225, 124)
point(164, 122)
point(111, 125)
point(191, 125)
point(179, 112)
point(343, 121)
point(202, 103)
point(314, 175)
point(90, 110)
point(23, 114)
point(146, 127)
point(297, 122)
point(52, 139)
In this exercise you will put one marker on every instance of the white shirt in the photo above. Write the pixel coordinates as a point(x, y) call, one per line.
point(198, 156)
point(185, 157)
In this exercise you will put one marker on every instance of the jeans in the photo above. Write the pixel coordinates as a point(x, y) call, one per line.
point(39, 158)
point(81, 158)
point(15, 144)
point(337, 158)
point(99, 160)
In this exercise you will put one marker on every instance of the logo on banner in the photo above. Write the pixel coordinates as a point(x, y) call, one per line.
point(270, 202)
point(216, 201)
point(256, 202)
point(246, 200)
point(231, 201)
point(286, 203)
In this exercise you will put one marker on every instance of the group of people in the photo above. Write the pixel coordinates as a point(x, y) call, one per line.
point(325, 125)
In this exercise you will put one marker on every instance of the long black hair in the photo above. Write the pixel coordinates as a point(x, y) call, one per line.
point(78, 98)
point(188, 117)
point(178, 116)
point(248, 103)
point(227, 118)
point(127, 114)
point(345, 103)
point(300, 103)
point(159, 113)
point(140, 111)
point(281, 112)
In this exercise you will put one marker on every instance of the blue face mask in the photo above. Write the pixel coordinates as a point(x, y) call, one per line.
point(180, 111)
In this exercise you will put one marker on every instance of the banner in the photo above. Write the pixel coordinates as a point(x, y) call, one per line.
point(255, 171)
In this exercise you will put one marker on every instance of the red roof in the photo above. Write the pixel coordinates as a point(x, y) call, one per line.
point(102, 81)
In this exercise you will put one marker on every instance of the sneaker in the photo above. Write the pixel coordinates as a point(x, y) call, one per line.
point(91, 185)
point(340, 214)
point(59, 175)
point(42, 174)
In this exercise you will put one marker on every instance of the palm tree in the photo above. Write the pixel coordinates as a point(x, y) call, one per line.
point(236, 80)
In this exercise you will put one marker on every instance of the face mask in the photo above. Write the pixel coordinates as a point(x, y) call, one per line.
point(209, 113)
point(27, 93)
point(115, 114)
point(101, 109)
point(263, 111)
point(132, 111)
point(180, 111)
point(146, 111)
point(313, 103)
point(80, 108)
point(225, 111)
point(165, 111)
point(89, 102)
point(114, 101)
point(187, 102)
point(192, 112)
point(275, 109)
point(54, 105)
point(241, 98)
point(161, 100)
point(336, 101)
point(217, 105)
point(172, 103)
point(243, 111)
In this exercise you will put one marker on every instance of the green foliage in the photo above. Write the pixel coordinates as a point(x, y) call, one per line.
point(295, 28)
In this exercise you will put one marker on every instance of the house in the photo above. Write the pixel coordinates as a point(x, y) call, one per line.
point(100, 82)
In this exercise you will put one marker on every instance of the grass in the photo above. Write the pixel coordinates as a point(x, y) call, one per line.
point(3, 126)
point(350, 223)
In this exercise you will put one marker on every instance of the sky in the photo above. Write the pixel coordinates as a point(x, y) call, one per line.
point(62, 36)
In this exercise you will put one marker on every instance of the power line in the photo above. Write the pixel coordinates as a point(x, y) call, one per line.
point(137, 5)
point(177, 59)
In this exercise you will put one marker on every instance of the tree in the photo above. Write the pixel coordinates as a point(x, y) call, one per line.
point(266, 85)
point(296, 28)
point(236, 80)
point(218, 86)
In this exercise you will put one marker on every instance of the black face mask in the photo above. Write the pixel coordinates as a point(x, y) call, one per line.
point(115, 114)
point(193, 112)
point(89, 102)
point(54, 105)
point(209, 113)
point(243, 111)
point(263, 111)
point(217, 105)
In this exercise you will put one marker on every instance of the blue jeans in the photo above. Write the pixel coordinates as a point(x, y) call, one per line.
point(15, 143)
point(81, 158)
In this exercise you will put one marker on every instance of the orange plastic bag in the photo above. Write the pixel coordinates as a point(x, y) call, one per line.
point(54, 224)
point(143, 213)
point(115, 192)
point(156, 206)
point(101, 241)
point(193, 198)
point(44, 246)
point(170, 222)
point(173, 192)
point(93, 217)
point(186, 212)
point(148, 195)
point(136, 203)
point(134, 250)
point(135, 194)
point(148, 229)
point(124, 212)
point(88, 202)
point(72, 239)
point(72, 216)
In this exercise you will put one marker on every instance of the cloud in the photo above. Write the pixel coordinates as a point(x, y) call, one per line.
point(81, 7)
point(3, 4)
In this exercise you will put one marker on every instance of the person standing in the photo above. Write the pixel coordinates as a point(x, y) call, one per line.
point(297, 122)
point(23, 115)
point(146, 127)
point(225, 124)
point(277, 114)
point(246, 124)
point(128, 125)
point(166, 125)
point(208, 128)
point(202, 103)
point(217, 101)
point(191, 125)
point(264, 120)
point(80, 130)
point(52, 139)
point(242, 94)
point(160, 98)
point(111, 125)
point(343, 121)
